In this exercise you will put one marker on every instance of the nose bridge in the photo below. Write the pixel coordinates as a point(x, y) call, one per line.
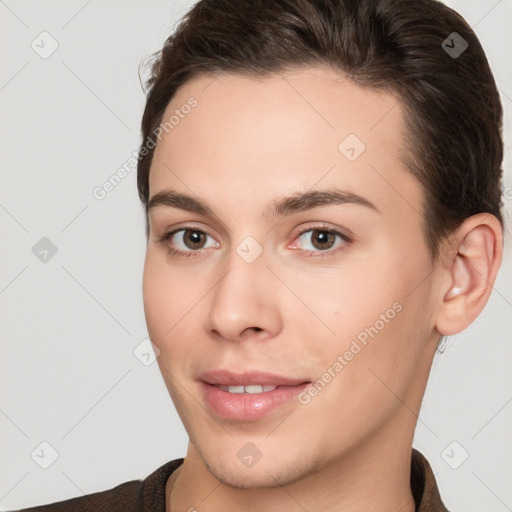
point(244, 296)
point(246, 265)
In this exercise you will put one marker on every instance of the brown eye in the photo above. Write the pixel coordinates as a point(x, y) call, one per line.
point(321, 241)
point(193, 238)
point(186, 241)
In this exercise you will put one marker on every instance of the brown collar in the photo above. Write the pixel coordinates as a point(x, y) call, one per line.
point(424, 486)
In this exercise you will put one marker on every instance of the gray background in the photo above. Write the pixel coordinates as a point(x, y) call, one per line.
point(69, 326)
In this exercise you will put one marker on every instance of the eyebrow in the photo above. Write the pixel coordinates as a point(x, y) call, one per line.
point(294, 203)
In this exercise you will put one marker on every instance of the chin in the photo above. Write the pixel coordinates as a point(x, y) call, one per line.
point(246, 478)
point(268, 472)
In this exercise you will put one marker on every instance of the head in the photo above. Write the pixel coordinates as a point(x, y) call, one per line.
point(251, 104)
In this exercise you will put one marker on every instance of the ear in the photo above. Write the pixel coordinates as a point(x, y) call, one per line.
point(471, 264)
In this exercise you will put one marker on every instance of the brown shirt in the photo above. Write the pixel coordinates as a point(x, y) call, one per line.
point(148, 495)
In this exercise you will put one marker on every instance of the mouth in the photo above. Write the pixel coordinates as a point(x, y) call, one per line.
point(252, 389)
point(250, 395)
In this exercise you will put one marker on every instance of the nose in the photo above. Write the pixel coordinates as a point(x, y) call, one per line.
point(244, 303)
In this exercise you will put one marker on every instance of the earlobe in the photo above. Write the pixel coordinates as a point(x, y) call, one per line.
point(471, 273)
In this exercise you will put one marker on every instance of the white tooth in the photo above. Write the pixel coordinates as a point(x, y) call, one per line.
point(251, 389)
point(236, 389)
point(254, 388)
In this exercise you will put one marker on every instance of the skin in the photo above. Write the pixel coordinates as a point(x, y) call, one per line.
point(247, 142)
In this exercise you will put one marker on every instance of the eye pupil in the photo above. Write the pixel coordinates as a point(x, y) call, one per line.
point(324, 237)
point(195, 237)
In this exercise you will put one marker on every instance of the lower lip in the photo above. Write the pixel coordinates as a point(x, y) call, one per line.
point(247, 406)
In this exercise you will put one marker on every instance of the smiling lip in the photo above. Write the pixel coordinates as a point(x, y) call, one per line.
point(246, 406)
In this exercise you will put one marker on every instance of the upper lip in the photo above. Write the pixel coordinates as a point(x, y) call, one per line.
point(228, 378)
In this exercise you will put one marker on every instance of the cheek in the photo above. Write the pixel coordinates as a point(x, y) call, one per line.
point(361, 383)
point(173, 308)
point(338, 304)
point(157, 302)
point(368, 315)
point(165, 303)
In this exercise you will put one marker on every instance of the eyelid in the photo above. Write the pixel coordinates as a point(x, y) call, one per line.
point(192, 227)
point(346, 233)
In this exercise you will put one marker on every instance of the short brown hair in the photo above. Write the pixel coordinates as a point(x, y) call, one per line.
point(451, 103)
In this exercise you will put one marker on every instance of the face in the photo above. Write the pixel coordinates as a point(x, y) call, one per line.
point(334, 293)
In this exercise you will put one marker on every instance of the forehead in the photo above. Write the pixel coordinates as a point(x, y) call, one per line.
point(273, 134)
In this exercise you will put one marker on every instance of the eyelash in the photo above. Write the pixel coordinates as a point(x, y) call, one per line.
point(312, 254)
